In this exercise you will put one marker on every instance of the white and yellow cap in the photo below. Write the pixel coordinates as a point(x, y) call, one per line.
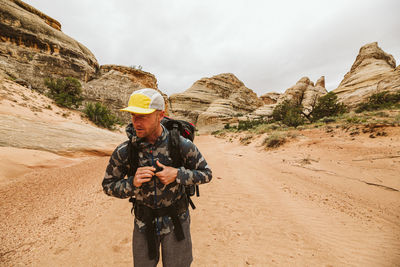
point(145, 101)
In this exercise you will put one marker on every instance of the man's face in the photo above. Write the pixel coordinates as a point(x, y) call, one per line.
point(147, 125)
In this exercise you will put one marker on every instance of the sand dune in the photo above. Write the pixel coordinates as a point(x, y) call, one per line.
point(317, 201)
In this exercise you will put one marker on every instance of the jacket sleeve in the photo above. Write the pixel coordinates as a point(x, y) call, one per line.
point(114, 183)
point(196, 169)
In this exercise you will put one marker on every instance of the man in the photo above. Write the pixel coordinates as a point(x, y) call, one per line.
point(161, 207)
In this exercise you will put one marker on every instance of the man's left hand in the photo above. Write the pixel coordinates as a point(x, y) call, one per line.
point(167, 175)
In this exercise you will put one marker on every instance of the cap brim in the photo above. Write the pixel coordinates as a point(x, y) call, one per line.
point(137, 110)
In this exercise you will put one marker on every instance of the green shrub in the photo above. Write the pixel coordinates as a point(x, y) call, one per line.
point(66, 92)
point(100, 115)
point(289, 114)
point(327, 106)
point(293, 118)
point(382, 100)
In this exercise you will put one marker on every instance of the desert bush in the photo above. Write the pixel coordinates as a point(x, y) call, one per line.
point(353, 119)
point(274, 141)
point(380, 100)
point(289, 114)
point(249, 124)
point(66, 92)
point(327, 106)
point(100, 115)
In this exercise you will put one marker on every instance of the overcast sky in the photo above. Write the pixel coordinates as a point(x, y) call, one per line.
point(268, 45)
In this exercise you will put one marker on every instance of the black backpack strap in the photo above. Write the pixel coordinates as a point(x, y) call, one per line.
point(174, 148)
point(133, 160)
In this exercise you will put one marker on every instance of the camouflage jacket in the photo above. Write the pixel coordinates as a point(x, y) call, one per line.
point(154, 194)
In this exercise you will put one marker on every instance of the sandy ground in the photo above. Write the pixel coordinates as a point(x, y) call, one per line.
point(320, 200)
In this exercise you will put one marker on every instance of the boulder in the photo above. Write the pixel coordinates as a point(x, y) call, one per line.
point(211, 102)
point(373, 71)
point(33, 47)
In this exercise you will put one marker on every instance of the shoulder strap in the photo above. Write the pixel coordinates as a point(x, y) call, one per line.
point(174, 146)
point(133, 158)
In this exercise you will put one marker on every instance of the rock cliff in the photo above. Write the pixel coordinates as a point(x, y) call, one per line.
point(32, 47)
point(373, 71)
point(113, 85)
point(211, 102)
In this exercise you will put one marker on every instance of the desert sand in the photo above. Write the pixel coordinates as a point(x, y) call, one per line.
point(323, 199)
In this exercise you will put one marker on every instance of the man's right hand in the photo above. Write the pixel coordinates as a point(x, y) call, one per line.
point(143, 175)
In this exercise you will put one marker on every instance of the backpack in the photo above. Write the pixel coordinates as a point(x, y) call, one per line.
point(176, 128)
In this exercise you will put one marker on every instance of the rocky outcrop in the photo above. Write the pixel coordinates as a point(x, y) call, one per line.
point(270, 98)
point(265, 111)
point(373, 71)
point(113, 85)
point(32, 47)
point(304, 92)
point(211, 102)
point(30, 120)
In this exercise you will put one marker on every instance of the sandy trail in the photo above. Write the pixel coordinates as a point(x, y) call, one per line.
point(320, 201)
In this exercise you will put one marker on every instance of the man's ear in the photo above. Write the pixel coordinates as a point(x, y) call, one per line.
point(161, 115)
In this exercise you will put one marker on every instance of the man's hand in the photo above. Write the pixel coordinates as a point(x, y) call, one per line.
point(143, 175)
point(167, 175)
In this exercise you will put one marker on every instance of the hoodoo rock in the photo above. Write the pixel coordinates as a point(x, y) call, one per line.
point(113, 85)
point(211, 102)
point(33, 47)
point(373, 71)
point(304, 92)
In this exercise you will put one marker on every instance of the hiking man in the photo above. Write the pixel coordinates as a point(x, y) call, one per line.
point(156, 188)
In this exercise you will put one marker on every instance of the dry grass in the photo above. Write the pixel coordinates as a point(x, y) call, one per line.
point(274, 141)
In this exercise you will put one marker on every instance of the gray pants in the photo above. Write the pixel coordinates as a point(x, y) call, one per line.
point(174, 253)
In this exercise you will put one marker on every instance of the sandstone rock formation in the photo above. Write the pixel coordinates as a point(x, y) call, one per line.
point(270, 98)
point(211, 102)
point(305, 92)
point(32, 47)
point(113, 85)
point(265, 111)
point(31, 120)
point(373, 71)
